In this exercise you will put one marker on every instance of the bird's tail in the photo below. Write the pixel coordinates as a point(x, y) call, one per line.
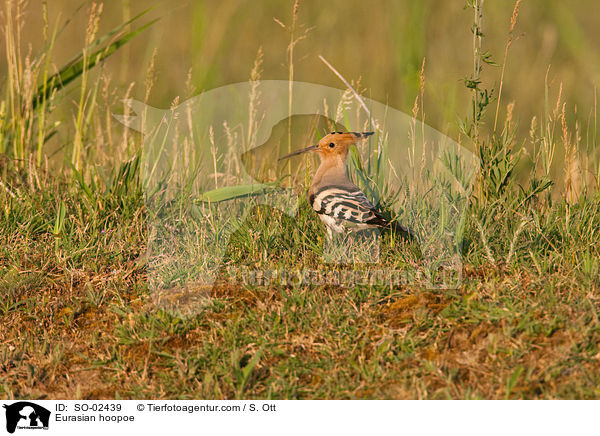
point(378, 220)
point(405, 232)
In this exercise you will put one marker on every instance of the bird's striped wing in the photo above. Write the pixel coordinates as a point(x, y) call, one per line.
point(346, 203)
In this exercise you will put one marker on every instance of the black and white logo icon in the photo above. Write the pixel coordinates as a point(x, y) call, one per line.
point(26, 415)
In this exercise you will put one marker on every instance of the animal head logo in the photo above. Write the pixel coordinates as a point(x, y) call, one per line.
point(209, 162)
point(27, 415)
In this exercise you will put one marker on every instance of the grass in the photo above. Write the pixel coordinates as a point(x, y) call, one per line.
point(81, 318)
point(79, 321)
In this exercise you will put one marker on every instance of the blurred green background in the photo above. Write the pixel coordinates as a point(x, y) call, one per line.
point(382, 43)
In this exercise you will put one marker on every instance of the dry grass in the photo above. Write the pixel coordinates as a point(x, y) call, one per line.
point(502, 335)
point(79, 319)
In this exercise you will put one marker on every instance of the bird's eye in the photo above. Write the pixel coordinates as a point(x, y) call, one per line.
point(331, 145)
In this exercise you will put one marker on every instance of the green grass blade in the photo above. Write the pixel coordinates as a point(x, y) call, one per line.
point(72, 71)
point(232, 192)
point(84, 186)
point(60, 219)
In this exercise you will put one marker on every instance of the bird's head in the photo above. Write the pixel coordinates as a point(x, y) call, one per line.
point(332, 144)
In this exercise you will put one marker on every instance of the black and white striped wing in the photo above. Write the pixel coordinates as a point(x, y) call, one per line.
point(346, 203)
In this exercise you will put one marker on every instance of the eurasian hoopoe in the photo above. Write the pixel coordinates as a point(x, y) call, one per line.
point(337, 200)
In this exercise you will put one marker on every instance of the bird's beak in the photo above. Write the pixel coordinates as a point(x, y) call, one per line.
point(304, 150)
